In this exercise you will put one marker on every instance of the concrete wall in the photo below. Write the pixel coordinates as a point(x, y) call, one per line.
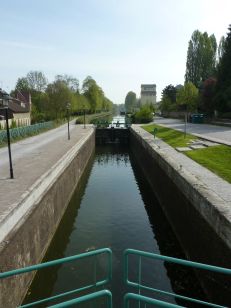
point(28, 242)
point(202, 228)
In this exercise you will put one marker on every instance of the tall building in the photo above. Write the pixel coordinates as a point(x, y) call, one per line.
point(148, 94)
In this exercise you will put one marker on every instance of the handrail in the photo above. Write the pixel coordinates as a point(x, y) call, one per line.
point(86, 298)
point(62, 261)
point(147, 300)
point(140, 287)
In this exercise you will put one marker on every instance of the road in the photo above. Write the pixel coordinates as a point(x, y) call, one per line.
point(32, 146)
point(215, 133)
point(32, 158)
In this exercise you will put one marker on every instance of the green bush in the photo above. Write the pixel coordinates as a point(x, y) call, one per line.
point(144, 115)
point(79, 121)
point(13, 124)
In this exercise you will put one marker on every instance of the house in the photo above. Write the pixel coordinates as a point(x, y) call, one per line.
point(19, 108)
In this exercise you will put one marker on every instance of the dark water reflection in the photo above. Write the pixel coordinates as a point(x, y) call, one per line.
point(113, 207)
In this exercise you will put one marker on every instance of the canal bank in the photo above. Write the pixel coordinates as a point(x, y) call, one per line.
point(114, 207)
point(169, 179)
point(200, 208)
point(33, 203)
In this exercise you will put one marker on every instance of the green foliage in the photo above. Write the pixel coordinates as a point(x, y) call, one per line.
point(144, 115)
point(201, 57)
point(130, 102)
point(95, 96)
point(206, 98)
point(71, 82)
point(22, 85)
point(221, 47)
point(49, 100)
point(58, 97)
point(187, 96)
point(168, 99)
point(13, 124)
point(223, 87)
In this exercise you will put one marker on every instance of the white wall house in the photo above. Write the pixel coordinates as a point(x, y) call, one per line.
point(18, 110)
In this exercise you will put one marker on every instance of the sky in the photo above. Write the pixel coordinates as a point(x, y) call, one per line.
point(120, 43)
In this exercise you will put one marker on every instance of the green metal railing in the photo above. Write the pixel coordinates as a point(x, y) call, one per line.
point(139, 286)
point(95, 283)
point(24, 131)
point(129, 297)
point(106, 124)
point(146, 300)
point(87, 298)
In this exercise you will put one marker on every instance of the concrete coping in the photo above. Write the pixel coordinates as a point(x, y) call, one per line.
point(211, 189)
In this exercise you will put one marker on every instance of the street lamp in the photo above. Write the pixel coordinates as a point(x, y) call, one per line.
point(84, 117)
point(68, 106)
point(4, 103)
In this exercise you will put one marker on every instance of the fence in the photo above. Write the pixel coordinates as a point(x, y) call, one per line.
point(24, 131)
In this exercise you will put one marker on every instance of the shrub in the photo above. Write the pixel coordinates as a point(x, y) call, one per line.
point(144, 115)
point(78, 121)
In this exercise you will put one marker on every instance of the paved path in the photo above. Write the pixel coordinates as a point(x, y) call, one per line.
point(33, 157)
point(214, 133)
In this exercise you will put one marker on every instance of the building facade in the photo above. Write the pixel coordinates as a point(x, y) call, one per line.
point(19, 109)
point(148, 94)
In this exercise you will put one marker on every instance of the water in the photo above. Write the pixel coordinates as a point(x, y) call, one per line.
point(113, 207)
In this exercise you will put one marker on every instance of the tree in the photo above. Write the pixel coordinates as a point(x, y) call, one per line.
point(187, 96)
point(206, 101)
point(201, 57)
point(168, 98)
point(223, 87)
point(37, 81)
point(58, 96)
point(71, 82)
point(220, 50)
point(22, 85)
point(170, 92)
point(130, 101)
point(93, 93)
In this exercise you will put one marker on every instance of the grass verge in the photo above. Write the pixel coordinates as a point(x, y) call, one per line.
point(216, 158)
point(170, 136)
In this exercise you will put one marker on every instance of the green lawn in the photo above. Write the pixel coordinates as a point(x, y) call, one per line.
point(216, 158)
point(170, 136)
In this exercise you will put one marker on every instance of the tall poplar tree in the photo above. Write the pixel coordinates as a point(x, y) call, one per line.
point(223, 87)
point(201, 57)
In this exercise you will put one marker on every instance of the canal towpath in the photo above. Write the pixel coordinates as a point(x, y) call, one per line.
point(32, 159)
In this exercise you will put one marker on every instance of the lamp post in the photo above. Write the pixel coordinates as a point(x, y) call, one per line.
point(4, 102)
point(68, 106)
point(84, 117)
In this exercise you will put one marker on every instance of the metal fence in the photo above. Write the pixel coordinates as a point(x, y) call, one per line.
point(139, 286)
point(129, 298)
point(96, 283)
point(24, 131)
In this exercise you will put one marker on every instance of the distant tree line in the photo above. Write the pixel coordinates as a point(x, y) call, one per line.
point(49, 100)
point(207, 85)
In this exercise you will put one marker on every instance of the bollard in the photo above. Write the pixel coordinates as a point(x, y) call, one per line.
point(154, 132)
